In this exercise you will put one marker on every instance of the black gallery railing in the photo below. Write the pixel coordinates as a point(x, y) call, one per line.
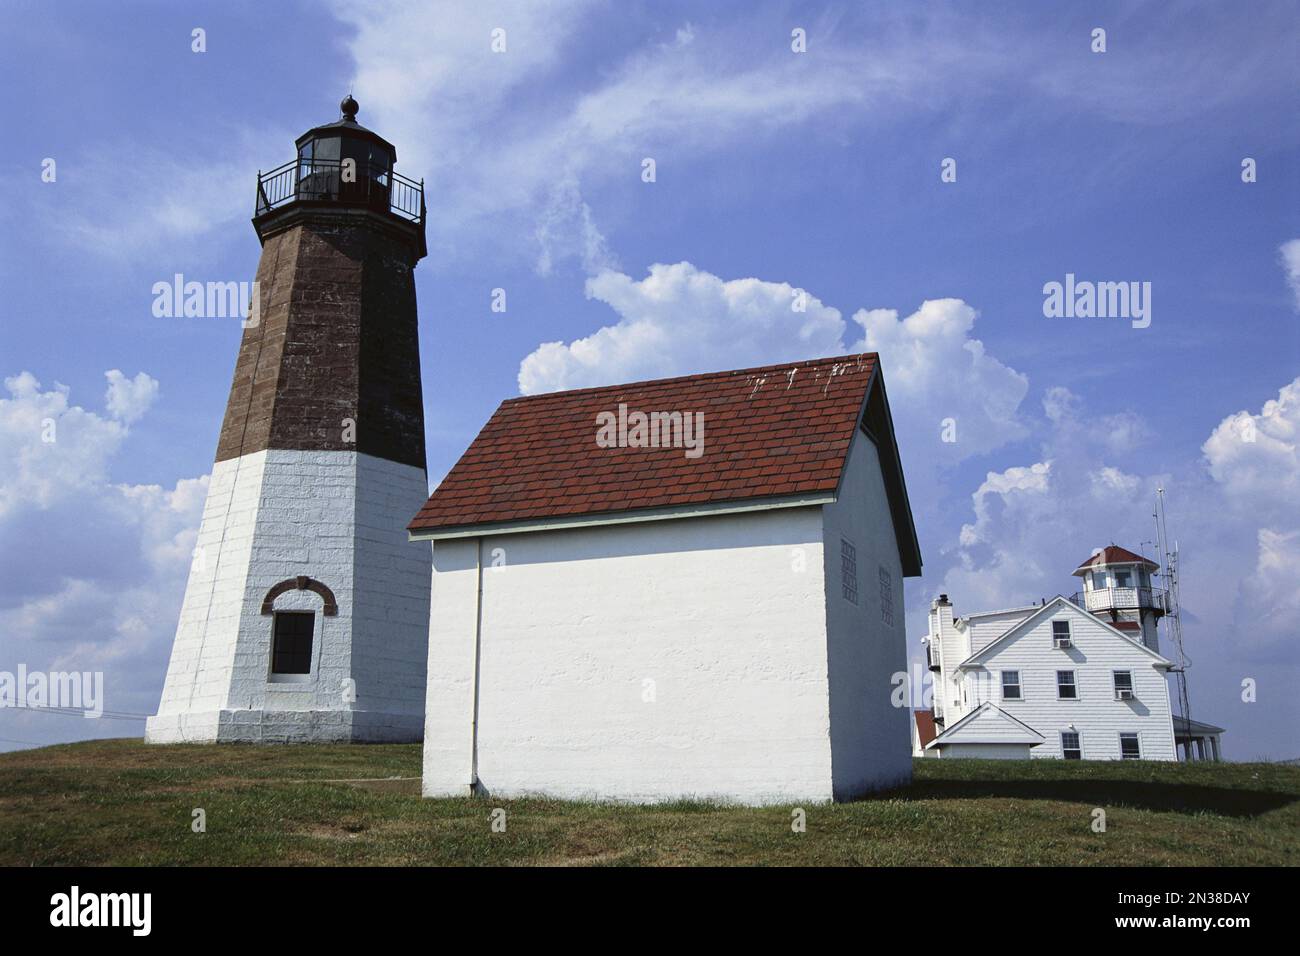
point(341, 181)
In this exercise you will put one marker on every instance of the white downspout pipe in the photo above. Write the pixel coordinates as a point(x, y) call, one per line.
point(478, 641)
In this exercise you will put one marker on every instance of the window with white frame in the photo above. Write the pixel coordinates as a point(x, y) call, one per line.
point(849, 570)
point(1060, 633)
point(1123, 685)
point(1011, 685)
point(1129, 748)
point(1066, 688)
point(1071, 748)
point(886, 596)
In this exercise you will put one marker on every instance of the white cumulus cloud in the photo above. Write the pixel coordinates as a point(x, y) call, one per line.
point(1290, 252)
point(680, 320)
point(1254, 457)
point(676, 321)
point(129, 398)
point(931, 358)
point(1008, 486)
point(95, 570)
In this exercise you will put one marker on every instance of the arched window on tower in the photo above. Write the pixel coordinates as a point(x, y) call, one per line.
point(291, 642)
point(295, 632)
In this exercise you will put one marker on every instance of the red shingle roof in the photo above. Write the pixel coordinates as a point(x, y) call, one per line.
point(925, 729)
point(1114, 554)
point(775, 431)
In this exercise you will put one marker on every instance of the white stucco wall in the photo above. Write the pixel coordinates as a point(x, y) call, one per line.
point(870, 737)
point(724, 615)
point(338, 517)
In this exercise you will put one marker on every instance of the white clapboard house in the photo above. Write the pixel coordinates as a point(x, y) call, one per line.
point(1073, 678)
point(690, 587)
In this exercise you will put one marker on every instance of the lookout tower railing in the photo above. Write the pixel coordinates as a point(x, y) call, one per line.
point(1108, 599)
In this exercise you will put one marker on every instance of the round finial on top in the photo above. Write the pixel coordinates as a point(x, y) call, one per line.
point(349, 107)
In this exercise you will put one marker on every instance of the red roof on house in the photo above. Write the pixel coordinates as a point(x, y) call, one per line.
point(1115, 555)
point(925, 725)
point(779, 431)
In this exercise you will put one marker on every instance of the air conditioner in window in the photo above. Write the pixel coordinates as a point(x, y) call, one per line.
point(1124, 694)
point(1062, 643)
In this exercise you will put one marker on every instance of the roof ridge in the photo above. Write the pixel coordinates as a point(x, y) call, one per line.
point(721, 373)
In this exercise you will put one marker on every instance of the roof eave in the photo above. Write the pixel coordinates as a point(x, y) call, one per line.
point(631, 516)
point(909, 545)
point(976, 659)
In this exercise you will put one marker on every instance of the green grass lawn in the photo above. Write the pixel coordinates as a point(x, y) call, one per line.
point(120, 802)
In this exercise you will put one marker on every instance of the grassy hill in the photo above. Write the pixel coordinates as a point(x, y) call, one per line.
point(119, 802)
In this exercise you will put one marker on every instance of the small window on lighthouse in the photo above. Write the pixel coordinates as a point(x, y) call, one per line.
point(291, 642)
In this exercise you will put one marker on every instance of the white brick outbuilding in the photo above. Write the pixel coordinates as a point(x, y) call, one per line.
point(630, 623)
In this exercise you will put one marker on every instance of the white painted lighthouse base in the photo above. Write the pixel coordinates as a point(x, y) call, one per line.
point(285, 727)
point(338, 518)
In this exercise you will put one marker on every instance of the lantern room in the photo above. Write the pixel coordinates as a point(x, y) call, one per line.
point(341, 164)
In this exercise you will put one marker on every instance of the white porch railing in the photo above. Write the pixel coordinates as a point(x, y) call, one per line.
point(1106, 599)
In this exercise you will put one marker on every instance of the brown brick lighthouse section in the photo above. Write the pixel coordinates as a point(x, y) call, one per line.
point(336, 340)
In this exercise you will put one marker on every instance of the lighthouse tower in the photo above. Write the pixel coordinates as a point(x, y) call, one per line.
point(1117, 587)
point(306, 612)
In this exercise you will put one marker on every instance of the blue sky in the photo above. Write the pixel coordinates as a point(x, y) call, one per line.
point(775, 170)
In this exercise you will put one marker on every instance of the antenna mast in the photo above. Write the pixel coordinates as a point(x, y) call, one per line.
point(1173, 618)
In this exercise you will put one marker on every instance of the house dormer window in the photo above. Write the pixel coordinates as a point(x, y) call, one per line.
point(1060, 633)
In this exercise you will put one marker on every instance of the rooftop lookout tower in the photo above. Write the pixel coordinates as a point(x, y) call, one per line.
point(1117, 588)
